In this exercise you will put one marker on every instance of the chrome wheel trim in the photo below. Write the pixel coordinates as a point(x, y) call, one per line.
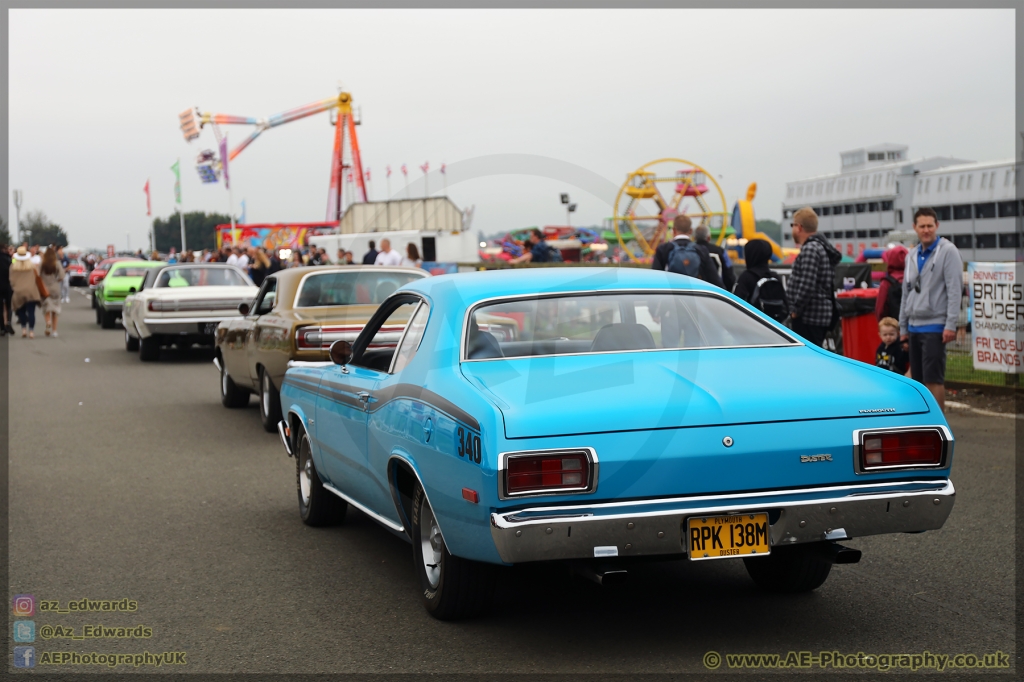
point(264, 394)
point(431, 544)
point(305, 474)
point(223, 380)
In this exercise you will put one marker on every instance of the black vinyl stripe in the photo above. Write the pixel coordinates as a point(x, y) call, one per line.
point(438, 402)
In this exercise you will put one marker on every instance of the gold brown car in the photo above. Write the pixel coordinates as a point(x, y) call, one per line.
point(296, 315)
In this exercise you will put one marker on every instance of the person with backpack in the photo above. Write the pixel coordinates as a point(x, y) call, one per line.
point(719, 256)
point(812, 284)
point(761, 286)
point(540, 251)
point(684, 256)
point(890, 291)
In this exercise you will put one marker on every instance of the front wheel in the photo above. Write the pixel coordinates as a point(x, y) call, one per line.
point(799, 568)
point(317, 506)
point(108, 319)
point(131, 344)
point(230, 394)
point(453, 587)
point(270, 403)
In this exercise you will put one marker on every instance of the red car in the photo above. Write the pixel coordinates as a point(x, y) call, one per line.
point(77, 273)
point(100, 271)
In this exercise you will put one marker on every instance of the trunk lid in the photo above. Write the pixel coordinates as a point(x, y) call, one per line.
point(581, 394)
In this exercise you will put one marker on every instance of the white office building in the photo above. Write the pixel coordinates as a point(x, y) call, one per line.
point(878, 189)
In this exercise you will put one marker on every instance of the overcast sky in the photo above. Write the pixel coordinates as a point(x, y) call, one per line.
point(766, 96)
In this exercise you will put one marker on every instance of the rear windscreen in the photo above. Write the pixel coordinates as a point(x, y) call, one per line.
point(350, 288)
point(604, 323)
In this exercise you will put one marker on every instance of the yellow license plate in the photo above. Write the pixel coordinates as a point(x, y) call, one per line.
point(724, 537)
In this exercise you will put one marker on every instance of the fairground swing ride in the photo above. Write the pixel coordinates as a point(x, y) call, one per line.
point(343, 118)
point(654, 194)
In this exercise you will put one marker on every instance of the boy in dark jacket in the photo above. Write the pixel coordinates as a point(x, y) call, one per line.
point(890, 354)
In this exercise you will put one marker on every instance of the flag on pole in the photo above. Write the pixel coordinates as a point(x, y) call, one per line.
point(388, 170)
point(405, 171)
point(367, 173)
point(224, 160)
point(442, 169)
point(149, 209)
point(242, 218)
point(177, 182)
point(425, 167)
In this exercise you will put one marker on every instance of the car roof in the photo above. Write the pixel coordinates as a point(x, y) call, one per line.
point(289, 278)
point(132, 263)
point(464, 289)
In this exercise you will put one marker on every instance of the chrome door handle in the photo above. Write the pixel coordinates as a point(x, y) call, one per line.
point(428, 429)
point(364, 396)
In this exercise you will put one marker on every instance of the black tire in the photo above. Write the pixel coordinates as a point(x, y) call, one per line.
point(270, 403)
point(800, 568)
point(94, 304)
point(454, 587)
point(109, 318)
point(230, 394)
point(317, 506)
point(131, 343)
point(149, 349)
point(99, 314)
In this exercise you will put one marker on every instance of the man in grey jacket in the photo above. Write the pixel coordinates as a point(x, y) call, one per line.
point(932, 286)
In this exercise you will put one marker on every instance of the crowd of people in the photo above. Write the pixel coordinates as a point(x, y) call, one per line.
point(31, 278)
point(918, 302)
point(260, 262)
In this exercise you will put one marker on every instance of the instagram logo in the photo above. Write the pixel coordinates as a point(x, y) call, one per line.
point(24, 605)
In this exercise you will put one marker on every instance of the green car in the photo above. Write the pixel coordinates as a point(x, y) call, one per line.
point(122, 280)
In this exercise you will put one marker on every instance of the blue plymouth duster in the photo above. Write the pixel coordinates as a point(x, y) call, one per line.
point(599, 415)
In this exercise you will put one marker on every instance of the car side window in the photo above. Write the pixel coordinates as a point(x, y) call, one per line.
point(412, 338)
point(380, 350)
point(266, 297)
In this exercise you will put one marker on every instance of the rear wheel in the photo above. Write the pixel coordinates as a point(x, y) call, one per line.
point(230, 394)
point(149, 349)
point(453, 587)
point(800, 568)
point(317, 506)
point(108, 318)
point(131, 343)
point(93, 298)
point(270, 402)
point(99, 312)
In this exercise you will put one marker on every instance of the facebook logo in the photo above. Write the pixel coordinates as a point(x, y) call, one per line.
point(24, 657)
point(24, 631)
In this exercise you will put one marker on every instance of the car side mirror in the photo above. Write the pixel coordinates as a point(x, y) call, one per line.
point(243, 308)
point(131, 290)
point(341, 352)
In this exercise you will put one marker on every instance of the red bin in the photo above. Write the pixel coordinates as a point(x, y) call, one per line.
point(860, 329)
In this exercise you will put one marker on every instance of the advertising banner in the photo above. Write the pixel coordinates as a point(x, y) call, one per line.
point(997, 316)
point(273, 237)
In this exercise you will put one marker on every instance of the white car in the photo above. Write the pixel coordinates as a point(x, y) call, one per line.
point(182, 304)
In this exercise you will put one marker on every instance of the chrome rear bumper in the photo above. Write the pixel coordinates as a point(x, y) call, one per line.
point(180, 325)
point(658, 527)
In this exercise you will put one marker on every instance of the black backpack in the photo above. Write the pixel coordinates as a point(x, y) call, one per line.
point(770, 298)
point(894, 297)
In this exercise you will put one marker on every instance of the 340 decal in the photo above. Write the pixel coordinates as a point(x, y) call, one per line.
point(469, 445)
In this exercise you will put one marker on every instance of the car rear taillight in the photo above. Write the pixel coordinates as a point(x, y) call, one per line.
point(549, 472)
point(309, 338)
point(899, 449)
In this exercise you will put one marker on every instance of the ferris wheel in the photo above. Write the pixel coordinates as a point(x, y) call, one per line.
point(654, 194)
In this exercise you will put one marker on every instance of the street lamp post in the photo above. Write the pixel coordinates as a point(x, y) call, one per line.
point(17, 213)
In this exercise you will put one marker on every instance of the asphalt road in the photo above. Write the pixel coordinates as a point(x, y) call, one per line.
point(129, 480)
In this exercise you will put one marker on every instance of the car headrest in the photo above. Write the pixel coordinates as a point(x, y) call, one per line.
point(482, 344)
point(622, 336)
